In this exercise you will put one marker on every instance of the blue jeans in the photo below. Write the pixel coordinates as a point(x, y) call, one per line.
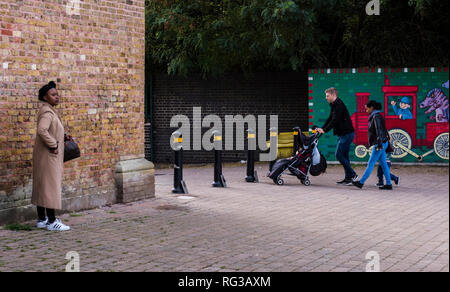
point(342, 154)
point(380, 156)
point(380, 173)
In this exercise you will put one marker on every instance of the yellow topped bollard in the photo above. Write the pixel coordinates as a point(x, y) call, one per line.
point(252, 175)
point(219, 179)
point(179, 186)
point(273, 143)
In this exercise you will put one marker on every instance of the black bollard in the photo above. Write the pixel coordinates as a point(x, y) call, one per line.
point(273, 143)
point(219, 179)
point(179, 186)
point(252, 175)
point(296, 140)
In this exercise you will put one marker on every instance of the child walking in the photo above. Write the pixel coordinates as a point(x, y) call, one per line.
point(394, 178)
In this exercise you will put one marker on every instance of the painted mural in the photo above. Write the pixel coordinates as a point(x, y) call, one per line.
point(415, 106)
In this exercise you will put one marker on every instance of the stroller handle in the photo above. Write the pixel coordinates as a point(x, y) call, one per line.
point(314, 131)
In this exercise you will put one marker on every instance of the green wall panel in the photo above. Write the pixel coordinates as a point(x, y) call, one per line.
point(419, 134)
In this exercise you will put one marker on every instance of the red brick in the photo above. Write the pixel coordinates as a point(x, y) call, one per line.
point(7, 32)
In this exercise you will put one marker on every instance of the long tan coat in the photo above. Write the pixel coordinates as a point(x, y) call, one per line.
point(48, 167)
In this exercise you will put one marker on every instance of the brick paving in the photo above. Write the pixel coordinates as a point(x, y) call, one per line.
point(253, 227)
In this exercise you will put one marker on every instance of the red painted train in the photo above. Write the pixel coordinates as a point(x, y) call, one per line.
point(403, 132)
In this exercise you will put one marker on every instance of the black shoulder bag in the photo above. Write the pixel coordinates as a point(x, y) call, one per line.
point(71, 149)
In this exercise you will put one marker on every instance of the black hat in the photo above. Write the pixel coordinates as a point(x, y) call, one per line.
point(43, 91)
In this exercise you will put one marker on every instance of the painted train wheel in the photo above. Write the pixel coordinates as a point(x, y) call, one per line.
point(361, 151)
point(441, 146)
point(400, 137)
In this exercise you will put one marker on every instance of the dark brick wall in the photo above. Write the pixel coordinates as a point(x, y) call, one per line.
point(282, 94)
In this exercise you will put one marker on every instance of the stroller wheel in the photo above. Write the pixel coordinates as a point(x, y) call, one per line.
point(306, 182)
point(279, 181)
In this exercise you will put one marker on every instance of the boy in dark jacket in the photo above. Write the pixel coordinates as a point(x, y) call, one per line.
point(394, 178)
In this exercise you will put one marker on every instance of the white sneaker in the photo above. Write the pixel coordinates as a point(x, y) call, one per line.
point(42, 224)
point(57, 226)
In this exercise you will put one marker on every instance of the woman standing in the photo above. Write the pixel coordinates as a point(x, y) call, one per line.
point(379, 138)
point(48, 159)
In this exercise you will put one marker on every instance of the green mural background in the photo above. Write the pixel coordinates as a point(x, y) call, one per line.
point(349, 82)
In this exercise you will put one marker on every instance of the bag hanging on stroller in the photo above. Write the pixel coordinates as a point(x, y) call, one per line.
point(319, 168)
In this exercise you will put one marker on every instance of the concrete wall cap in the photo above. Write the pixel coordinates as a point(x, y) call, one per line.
point(131, 157)
point(133, 165)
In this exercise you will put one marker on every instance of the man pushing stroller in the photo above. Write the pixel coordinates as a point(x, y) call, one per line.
point(341, 123)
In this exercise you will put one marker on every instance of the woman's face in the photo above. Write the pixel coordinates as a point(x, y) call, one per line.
point(369, 110)
point(52, 97)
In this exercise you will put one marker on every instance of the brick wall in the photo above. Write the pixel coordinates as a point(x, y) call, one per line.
point(94, 49)
point(282, 94)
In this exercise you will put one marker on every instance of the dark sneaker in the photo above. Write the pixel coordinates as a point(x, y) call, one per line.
point(358, 184)
point(386, 187)
point(350, 181)
point(396, 180)
point(380, 184)
point(343, 182)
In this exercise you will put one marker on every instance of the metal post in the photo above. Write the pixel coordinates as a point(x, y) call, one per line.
point(252, 175)
point(296, 140)
point(179, 186)
point(273, 143)
point(219, 179)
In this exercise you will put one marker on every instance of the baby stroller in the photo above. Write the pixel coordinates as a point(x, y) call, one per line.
point(307, 160)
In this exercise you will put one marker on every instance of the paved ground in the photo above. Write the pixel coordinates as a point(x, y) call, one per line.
point(253, 227)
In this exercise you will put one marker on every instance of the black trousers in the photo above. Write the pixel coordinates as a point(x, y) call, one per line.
point(50, 214)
